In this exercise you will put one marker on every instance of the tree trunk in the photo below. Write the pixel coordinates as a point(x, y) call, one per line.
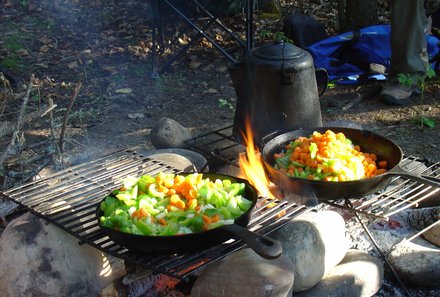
point(356, 14)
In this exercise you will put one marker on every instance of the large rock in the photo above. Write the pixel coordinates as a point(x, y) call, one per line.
point(40, 259)
point(167, 133)
point(423, 217)
point(245, 274)
point(358, 274)
point(433, 235)
point(315, 242)
point(417, 264)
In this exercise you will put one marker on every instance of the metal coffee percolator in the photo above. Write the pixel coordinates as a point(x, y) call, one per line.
point(276, 89)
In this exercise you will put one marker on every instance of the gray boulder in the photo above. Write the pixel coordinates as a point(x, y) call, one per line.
point(39, 259)
point(421, 218)
point(167, 133)
point(245, 274)
point(358, 274)
point(417, 264)
point(316, 243)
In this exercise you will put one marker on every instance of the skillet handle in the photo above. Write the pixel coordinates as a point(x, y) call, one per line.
point(424, 179)
point(264, 246)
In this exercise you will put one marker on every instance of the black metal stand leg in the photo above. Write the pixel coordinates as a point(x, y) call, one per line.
point(379, 249)
point(249, 25)
point(156, 20)
point(200, 31)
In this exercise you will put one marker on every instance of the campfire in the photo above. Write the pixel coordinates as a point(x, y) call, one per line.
point(252, 167)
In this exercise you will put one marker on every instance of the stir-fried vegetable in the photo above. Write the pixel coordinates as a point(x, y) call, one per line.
point(170, 204)
point(329, 157)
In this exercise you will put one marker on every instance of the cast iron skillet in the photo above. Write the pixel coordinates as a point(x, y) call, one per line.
point(369, 142)
point(262, 245)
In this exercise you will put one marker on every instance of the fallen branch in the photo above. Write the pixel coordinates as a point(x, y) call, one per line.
point(360, 97)
point(7, 89)
point(7, 128)
point(19, 121)
point(66, 115)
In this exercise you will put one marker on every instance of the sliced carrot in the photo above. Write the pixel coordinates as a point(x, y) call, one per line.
point(380, 171)
point(383, 164)
point(215, 218)
point(180, 204)
point(207, 219)
point(280, 155)
point(140, 213)
point(192, 194)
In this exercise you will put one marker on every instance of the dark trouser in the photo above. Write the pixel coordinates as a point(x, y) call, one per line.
point(408, 38)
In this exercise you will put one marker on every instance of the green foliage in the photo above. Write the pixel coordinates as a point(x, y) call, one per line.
point(35, 97)
point(12, 62)
point(427, 122)
point(419, 80)
point(331, 85)
point(223, 103)
point(275, 36)
point(281, 36)
point(14, 41)
point(416, 79)
point(236, 6)
point(265, 34)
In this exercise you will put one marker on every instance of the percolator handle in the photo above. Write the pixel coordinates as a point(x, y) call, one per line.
point(325, 76)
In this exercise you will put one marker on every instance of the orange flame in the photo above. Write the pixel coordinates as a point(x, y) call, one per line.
point(251, 165)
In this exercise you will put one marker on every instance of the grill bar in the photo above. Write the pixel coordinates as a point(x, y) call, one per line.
point(69, 199)
point(402, 193)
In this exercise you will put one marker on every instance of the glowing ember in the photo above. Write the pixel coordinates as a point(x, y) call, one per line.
point(251, 166)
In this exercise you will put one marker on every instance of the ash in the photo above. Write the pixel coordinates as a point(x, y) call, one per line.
point(386, 234)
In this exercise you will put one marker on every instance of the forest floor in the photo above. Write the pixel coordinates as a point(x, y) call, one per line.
point(95, 55)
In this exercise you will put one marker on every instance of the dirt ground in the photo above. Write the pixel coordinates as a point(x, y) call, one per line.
point(103, 47)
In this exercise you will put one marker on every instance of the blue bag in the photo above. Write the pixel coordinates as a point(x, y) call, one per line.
point(347, 57)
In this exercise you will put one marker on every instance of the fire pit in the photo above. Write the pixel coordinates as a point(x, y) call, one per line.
point(68, 199)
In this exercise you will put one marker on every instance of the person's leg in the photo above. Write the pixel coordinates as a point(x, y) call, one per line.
point(408, 38)
point(408, 48)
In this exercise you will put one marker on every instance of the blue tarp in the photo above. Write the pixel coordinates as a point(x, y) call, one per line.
point(348, 55)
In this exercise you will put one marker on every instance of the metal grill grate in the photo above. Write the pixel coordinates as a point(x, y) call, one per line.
point(401, 193)
point(69, 199)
